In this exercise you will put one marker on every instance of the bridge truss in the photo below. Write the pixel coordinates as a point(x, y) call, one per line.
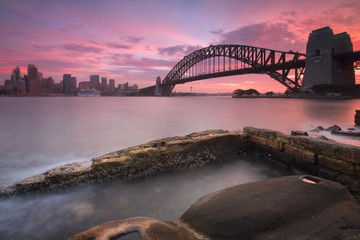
point(228, 60)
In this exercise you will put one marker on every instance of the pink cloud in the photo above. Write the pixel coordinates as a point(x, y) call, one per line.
point(135, 43)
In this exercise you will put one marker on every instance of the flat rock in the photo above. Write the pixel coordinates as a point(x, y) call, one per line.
point(279, 208)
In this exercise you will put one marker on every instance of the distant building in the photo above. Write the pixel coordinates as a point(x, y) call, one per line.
point(84, 85)
point(104, 86)
point(58, 87)
point(16, 75)
point(126, 86)
point(9, 85)
point(33, 79)
point(111, 85)
point(66, 83)
point(95, 81)
point(50, 84)
point(20, 87)
point(121, 87)
point(26, 79)
point(73, 85)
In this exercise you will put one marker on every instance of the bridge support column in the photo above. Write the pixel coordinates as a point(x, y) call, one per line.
point(166, 90)
point(162, 89)
point(158, 87)
point(320, 66)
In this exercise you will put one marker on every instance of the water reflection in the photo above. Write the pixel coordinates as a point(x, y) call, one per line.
point(62, 214)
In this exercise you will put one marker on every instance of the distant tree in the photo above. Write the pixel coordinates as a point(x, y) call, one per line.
point(269, 93)
point(238, 92)
point(251, 91)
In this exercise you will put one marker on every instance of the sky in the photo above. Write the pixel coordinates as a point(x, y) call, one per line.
point(137, 40)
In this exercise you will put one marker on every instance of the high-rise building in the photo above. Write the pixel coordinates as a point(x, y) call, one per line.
point(50, 84)
point(112, 85)
point(26, 79)
point(21, 87)
point(66, 83)
point(104, 86)
point(73, 85)
point(16, 75)
point(126, 86)
point(33, 79)
point(95, 81)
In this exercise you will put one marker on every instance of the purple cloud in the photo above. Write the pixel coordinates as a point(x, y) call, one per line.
point(80, 48)
point(131, 60)
point(116, 45)
point(267, 35)
point(23, 15)
point(134, 39)
point(178, 50)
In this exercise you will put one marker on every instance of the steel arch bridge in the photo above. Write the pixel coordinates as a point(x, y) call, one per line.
point(228, 60)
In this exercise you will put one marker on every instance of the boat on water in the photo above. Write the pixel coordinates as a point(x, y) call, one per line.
point(89, 93)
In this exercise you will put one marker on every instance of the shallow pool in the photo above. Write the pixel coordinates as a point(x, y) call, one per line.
point(61, 214)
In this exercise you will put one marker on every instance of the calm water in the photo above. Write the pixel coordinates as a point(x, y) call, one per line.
point(37, 134)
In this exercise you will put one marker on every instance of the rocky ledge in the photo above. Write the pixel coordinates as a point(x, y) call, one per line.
point(319, 157)
point(153, 157)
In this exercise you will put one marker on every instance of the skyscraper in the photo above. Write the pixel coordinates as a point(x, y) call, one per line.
point(16, 75)
point(66, 83)
point(112, 85)
point(50, 84)
point(104, 86)
point(95, 81)
point(33, 79)
point(126, 86)
point(73, 85)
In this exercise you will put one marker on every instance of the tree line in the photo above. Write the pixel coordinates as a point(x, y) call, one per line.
point(249, 92)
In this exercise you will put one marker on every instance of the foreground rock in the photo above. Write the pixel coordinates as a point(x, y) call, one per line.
point(295, 207)
point(156, 156)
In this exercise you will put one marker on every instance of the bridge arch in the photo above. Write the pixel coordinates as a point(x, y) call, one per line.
point(276, 64)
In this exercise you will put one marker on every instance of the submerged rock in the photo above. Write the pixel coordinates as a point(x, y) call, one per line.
point(293, 207)
point(333, 128)
point(318, 129)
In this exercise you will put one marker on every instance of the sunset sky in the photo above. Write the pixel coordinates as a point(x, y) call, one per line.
point(137, 40)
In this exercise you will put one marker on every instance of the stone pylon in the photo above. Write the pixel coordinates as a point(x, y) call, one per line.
point(320, 67)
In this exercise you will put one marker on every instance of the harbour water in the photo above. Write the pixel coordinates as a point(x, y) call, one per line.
point(39, 133)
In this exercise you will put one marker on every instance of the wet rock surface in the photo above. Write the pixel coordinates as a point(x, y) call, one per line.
point(293, 207)
point(161, 155)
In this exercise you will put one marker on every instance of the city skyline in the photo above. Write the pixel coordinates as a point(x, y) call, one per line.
point(136, 41)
